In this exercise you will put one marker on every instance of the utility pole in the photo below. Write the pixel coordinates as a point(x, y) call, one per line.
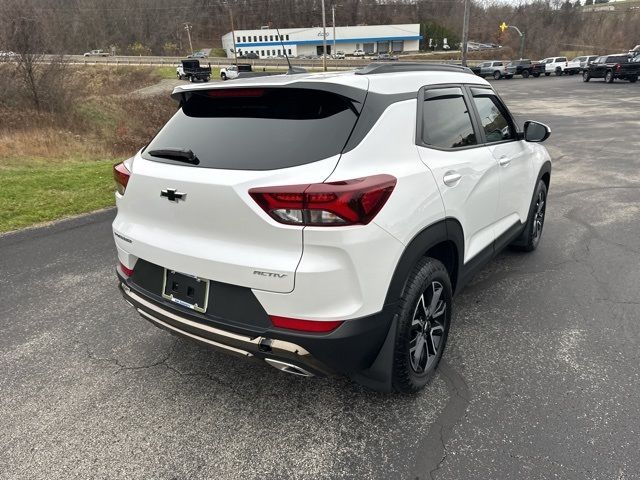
point(465, 31)
point(188, 27)
point(233, 35)
point(324, 39)
point(333, 19)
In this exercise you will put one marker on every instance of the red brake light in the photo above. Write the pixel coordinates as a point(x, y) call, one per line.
point(236, 92)
point(121, 176)
point(618, 66)
point(349, 202)
point(126, 271)
point(316, 326)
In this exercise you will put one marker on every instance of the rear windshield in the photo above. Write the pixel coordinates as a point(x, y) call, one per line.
point(618, 59)
point(257, 128)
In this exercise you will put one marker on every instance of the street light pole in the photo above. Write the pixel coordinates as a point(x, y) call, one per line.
point(333, 19)
point(324, 39)
point(233, 36)
point(465, 31)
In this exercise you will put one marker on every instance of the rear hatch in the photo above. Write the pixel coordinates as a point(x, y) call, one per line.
point(242, 137)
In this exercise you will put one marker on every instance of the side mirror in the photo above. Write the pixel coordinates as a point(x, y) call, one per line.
point(536, 132)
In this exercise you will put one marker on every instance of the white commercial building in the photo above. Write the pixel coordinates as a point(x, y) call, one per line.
point(308, 41)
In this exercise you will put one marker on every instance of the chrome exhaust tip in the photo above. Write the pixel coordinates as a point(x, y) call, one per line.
point(288, 368)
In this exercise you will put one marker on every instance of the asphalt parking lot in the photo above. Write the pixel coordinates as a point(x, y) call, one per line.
point(541, 378)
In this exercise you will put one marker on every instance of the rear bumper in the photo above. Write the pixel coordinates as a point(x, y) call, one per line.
point(348, 350)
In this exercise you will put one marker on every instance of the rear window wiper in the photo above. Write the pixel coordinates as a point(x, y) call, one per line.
point(177, 154)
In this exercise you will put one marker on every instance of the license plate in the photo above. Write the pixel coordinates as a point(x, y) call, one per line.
point(186, 290)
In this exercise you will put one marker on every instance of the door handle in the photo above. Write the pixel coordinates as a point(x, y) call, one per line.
point(451, 179)
point(504, 161)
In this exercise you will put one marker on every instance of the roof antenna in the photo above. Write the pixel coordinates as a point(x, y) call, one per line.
point(292, 70)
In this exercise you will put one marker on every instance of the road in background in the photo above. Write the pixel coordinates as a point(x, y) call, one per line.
point(540, 377)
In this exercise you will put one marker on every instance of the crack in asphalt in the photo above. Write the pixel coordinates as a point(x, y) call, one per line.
point(434, 444)
point(164, 362)
point(116, 362)
point(572, 215)
point(595, 189)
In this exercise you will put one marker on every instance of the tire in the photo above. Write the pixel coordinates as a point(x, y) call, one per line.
point(572, 72)
point(508, 77)
point(558, 72)
point(536, 74)
point(586, 76)
point(223, 76)
point(608, 77)
point(423, 326)
point(525, 74)
point(546, 74)
point(633, 79)
point(530, 237)
point(497, 75)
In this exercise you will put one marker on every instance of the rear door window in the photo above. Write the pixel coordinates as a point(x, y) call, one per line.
point(257, 128)
point(446, 122)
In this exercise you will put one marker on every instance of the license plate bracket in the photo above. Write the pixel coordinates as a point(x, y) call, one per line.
point(186, 290)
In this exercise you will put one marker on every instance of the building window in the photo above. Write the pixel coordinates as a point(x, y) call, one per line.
point(271, 38)
point(273, 52)
point(244, 39)
point(260, 37)
point(237, 39)
point(255, 39)
point(262, 53)
point(289, 51)
point(397, 46)
point(287, 37)
point(279, 52)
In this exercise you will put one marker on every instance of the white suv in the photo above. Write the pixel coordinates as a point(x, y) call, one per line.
point(323, 222)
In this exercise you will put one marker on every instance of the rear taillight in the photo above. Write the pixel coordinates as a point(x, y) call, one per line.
point(121, 175)
point(618, 66)
point(334, 204)
point(314, 326)
point(125, 270)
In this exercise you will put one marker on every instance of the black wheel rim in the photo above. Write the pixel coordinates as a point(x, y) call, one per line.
point(538, 219)
point(427, 328)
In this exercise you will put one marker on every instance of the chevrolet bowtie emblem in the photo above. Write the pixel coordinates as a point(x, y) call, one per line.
point(172, 194)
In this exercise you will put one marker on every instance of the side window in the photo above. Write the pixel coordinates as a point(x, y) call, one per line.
point(446, 122)
point(494, 119)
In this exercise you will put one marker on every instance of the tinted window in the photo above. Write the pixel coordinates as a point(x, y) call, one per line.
point(258, 128)
point(493, 119)
point(617, 59)
point(446, 123)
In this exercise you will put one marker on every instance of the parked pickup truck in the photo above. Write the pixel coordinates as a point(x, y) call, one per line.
point(495, 69)
point(524, 67)
point(560, 66)
point(233, 71)
point(611, 67)
point(192, 71)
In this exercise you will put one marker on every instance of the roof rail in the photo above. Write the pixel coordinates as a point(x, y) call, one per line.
point(385, 67)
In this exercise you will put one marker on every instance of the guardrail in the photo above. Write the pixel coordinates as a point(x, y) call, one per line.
point(223, 61)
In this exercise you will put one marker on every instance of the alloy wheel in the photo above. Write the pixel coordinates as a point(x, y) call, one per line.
point(427, 328)
point(538, 219)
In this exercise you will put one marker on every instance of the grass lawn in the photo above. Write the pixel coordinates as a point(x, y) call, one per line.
point(36, 190)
